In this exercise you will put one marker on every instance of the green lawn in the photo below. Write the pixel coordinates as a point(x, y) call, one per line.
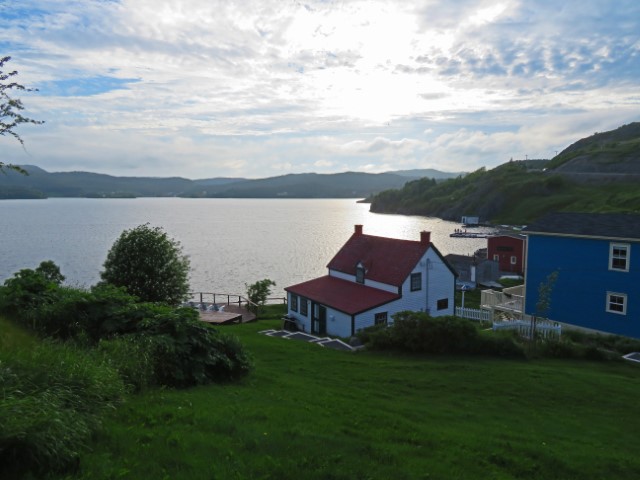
point(307, 412)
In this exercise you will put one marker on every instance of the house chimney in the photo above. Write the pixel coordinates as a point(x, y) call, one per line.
point(425, 238)
point(358, 230)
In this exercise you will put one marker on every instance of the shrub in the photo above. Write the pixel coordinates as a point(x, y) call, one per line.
point(53, 397)
point(500, 344)
point(189, 352)
point(418, 332)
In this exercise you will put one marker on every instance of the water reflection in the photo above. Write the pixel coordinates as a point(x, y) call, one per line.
point(230, 241)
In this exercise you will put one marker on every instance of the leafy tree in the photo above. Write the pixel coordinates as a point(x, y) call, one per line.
point(51, 272)
point(11, 109)
point(259, 291)
point(149, 264)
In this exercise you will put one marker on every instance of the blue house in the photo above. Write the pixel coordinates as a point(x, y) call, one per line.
point(597, 260)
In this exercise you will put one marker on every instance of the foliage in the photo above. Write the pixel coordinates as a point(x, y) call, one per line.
point(11, 109)
point(259, 292)
point(53, 397)
point(510, 193)
point(189, 352)
point(149, 344)
point(417, 332)
point(28, 289)
point(149, 264)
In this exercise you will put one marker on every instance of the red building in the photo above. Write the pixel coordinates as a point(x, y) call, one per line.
point(508, 251)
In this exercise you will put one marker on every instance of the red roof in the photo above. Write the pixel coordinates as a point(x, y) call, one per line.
point(342, 295)
point(386, 260)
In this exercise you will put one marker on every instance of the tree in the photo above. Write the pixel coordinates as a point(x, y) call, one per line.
point(259, 291)
point(149, 264)
point(544, 301)
point(11, 110)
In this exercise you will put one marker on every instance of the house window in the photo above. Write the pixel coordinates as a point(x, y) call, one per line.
point(619, 257)
point(381, 318)
point(514, 259)
point(416, 281)
point(294, 302)
point(304, 310)
point(496, 258)
point(360, 273)
point(617, 303)
point(443, 304)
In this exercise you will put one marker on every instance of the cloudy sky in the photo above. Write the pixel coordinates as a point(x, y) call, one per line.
point(206, 88)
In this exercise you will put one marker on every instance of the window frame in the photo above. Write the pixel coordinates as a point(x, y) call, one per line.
point(412, 277)
point(612, 257)
point(381, 318)
point(438, 303)
point(360, 274)
point(496, 257)
point(623, 303)
point(303, 302)
point(294, 302)
point(513, 260)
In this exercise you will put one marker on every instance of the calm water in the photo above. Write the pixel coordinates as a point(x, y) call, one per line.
point(230, 241)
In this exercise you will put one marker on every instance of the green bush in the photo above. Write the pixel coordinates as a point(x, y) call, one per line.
point(418, 332)
point(148, 343)
point(53, 397)
point(500, 344)
point(189, 352)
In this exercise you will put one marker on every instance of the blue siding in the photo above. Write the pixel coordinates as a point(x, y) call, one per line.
point(579, 296)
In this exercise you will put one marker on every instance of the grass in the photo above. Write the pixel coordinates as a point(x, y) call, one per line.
point(307, 412)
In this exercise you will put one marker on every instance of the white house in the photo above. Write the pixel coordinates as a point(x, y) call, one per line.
point(370, 279)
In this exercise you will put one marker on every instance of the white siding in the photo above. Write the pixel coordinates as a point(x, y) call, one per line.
point(368, 319)
point(338, 323)
point(440, 285)
point(369, 283)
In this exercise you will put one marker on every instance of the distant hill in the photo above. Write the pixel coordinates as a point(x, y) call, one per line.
point(600, 173)
point(306, 185)
point(427, 173)
point(616, 152)
point(41, 184)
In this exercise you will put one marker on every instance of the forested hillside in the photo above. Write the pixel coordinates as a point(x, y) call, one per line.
point(598, 174)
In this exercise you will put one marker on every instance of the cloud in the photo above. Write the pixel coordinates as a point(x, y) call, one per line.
point(201, 87)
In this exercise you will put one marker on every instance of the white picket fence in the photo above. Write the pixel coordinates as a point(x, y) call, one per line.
point(543, 328)
point(474, 314)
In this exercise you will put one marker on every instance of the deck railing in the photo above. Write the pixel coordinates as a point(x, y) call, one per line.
point(229, 299)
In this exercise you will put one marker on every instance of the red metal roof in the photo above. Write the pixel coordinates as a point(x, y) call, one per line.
point(386, 260)
point(342, 295)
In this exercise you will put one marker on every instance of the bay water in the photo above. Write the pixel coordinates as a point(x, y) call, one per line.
point(230, 242)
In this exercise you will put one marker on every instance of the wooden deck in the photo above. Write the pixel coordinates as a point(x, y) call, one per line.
point(231, 314)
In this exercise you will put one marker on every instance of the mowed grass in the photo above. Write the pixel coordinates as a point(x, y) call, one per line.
point(307, 412)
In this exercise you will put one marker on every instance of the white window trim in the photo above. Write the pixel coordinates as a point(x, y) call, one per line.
point(514, 259)
point(496, 257)
point(624, 246)
point(624, 303)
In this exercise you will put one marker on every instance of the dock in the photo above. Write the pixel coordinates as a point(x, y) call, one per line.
point(469, 235)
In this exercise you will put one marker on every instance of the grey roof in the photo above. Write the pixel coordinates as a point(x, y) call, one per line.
point(606, 225)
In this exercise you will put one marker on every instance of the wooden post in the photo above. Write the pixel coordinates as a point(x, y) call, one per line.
point(200, 297)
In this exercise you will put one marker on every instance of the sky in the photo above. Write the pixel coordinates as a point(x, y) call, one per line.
point(254, 89)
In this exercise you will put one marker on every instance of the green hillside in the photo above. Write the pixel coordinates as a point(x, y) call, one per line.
point(597, 174)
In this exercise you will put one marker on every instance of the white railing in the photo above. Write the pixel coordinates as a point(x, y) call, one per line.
point(543, 328)
point(510, 299)
point(474, 314)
